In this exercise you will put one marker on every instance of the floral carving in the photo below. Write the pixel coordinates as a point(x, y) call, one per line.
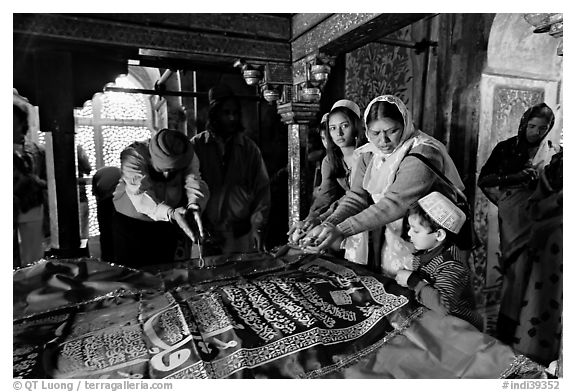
point(377, 69)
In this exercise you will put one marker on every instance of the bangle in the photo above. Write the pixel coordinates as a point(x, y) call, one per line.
point(327, 225)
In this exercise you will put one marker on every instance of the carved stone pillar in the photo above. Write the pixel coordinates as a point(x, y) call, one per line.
point(299, 108)
point(298, 116)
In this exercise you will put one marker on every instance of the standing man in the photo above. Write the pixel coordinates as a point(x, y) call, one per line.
point(232, 165)
point(160, 190)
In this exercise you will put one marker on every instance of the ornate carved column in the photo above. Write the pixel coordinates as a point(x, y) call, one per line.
point(298, 116)
point(300, 110)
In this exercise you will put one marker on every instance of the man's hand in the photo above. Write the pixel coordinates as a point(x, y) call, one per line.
point(178, 215)
point(256, 239)
point(194, 210)
point(402, 277)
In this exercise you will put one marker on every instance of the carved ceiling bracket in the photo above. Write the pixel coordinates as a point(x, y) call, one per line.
point(309, 77)
point(552, 24)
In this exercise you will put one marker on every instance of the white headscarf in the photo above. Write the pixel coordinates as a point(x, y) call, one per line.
point(382, 169)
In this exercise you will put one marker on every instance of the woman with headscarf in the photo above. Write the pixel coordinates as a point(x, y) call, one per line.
point(160, 188)
point(343, 133)
point(509, 179)
point(388, 179)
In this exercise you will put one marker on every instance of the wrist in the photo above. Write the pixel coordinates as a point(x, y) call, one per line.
point(170, 214)
point(413, 280)
point(193, 207)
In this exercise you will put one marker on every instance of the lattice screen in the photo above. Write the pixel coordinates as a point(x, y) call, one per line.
point(105, 126)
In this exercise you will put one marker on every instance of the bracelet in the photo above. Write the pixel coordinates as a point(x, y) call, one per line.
point(327, 225)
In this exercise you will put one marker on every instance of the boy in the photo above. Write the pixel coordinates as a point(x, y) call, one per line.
point(441, 278)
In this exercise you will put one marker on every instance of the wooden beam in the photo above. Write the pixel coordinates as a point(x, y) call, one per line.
point(91, 31)
point(166, 93)
point(183, 60)
point(301, 23)
point(54, 76)
point(257, 26)
point(341, 33)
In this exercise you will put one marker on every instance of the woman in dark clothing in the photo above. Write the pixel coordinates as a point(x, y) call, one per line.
point(509, 179)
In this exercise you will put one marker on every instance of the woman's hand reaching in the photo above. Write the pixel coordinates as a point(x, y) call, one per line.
point(322, 237)
point(300, 229)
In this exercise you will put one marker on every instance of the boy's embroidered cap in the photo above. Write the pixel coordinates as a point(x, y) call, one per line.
point(443, 211)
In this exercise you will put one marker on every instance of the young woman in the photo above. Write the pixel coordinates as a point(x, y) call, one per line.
point(342, 134)
point(342, 137)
